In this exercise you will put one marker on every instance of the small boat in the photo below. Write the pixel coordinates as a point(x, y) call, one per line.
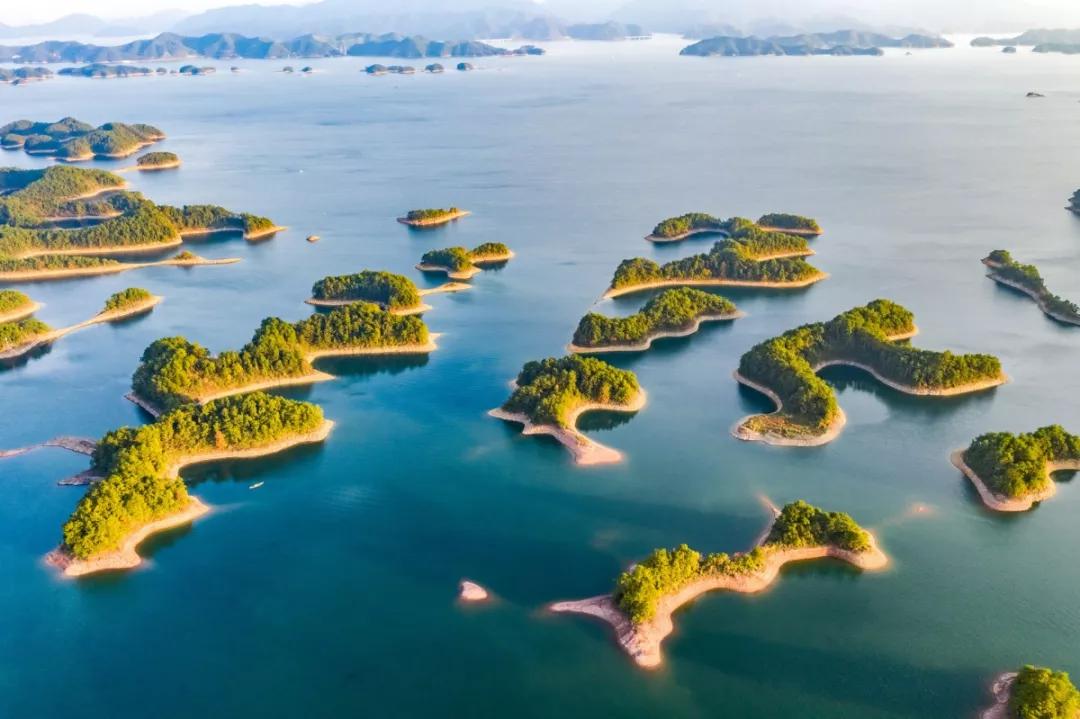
point(256, 485)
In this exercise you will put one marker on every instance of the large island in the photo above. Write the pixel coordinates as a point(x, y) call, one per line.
point(676, 229)
point(1034, 693)
point(72, 140)
point(1026, 278)
point(551, 394)
point(140, 492)
point(785, 369)
point(393, 292)
point(646, 596)
point(1012, 472)
point(459, 263)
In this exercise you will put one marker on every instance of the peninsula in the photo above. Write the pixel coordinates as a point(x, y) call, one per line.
point(751, 257)
point(551, 394)
point(73, 140)
point(785, 369)
point(174, 371)
point(14, 305)
point(676, 229)
point(157, 161)
point(432, 217)
point(1034, 693)
point(1012, 472)
point(67, 266)
point(19, 338)
point(672, 313)
point(457, 263)
point(395, 293)
point(1026, 278)
point(141, 492)
point(646, 596)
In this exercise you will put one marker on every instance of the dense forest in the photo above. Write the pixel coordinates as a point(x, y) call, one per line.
point(1014, 465)
point(786, 364)
point(459, 259)
point(664, 572)
point(157, 159)
point(548, 390)
point(13, 334)
point(785, 221)
point(174, 370)
point(1041, 693)
point(1002, 264)
point(12, 300)
point(135, 462)
point(72, 139)
point(431, 213)
point(125, 299)
point(390, 290)
point(671, 310)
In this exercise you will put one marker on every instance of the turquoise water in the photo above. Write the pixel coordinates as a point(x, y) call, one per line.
point(331, 591)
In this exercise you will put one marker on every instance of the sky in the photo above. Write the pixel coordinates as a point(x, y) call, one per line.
point(944, 15)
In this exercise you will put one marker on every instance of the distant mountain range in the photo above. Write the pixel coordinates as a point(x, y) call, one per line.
point(1032, 37)
point(170, 46)
point(843, 42)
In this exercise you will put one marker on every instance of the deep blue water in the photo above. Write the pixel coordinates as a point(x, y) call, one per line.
point(331, 591)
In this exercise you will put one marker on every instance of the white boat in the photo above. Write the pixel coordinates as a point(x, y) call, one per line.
point(256, 485)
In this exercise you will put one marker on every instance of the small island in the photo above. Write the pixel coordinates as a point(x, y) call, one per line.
point(19, 338)
point(807, 414)
point(751, 257)
point(1026, 278)
point(61, 267)
point(551, 394)
point(102, 71)
point(432, 217)
point(378, 69)
point(1012, 472)
point(15, 305)
point(140, 492)
point(677, 312)
point(1034, 693)
point(434, 68)
point(72, 140)
point(22, 75)
point(646, 596)
point(152, 161)
point(395, 293)
point(465, 66)
point(174, 371)
point(457, 263)
point(676, 229)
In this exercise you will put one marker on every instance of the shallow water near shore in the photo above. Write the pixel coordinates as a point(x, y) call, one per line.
point(331, 590)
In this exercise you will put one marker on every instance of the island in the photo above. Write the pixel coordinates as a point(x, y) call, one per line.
point(15, 305)
point(840, 43)
point(378, 69)
point(193, 70)
point(1012, 472)
point(392, 292)
point(1026, 278)
point(1032, 38)
point(550, 395)
point(1074, 203)
point(174, 371)
point(432, 217)
point(21, 75)
point(67, 266)
point(457, 263)
point(676, 229)
point(751, 257)
point(472, 592)
point(677, 312)
point(791, 224)
point(152, 161)
point(465, 66)
point(807, 414)
point(101, 71)
point(1034, 693)
point(19, 338)
point(434, 68)
point(646, 596)
point(72, 140)
point(140, 492)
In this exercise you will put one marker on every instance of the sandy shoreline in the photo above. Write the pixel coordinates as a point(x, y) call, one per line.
point(648, 341)
point(642, 642)
point(469, 272)
point(1001, 688)
point(739, 431)
point(414, 310)
point(585, 451)
point(436, 221)
point(34, 275)
point(153, 168)
point(126, 557)
point(712, 282)
point(1039, 299)
point(20, 313)
point(101, 317)
point(919, 391)
point(661, 239)
point(798, 233)
point(1001, 503)
point(78, 445)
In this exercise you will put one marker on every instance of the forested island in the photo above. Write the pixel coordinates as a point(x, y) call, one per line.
point(550, 395)
point(749, 257)
point(1012, 472)
point(432, 217)
point(391, 291)
point(72, 140)
point(461, 264)
point(646, 596)
point(676, 229)
point(15, 305)
point(20, 75)
point(157, 161)
point(141, 492)
point(174, 371)
point(1026, 278)
point(676, 312)
point(785, 369)
point(100, 71)
point(1034, 693)
point(842, 42)
point(32, 246)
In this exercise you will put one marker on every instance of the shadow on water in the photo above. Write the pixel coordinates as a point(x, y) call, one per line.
point(368, 365)
point(667, 346)
point(1026, 299)
point(631, 303)
point(844, 378)
point(12, 363)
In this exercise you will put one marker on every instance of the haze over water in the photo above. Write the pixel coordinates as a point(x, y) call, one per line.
point(331, 591)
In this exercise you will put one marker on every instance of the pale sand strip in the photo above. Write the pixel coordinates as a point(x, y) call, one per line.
point(648, 341)
point(630, 289)
point(434, 222)
point(642, 642)
point(104, 250)
point(20, 313)
point(469, 272)
point(740, 431)
point(200, 231)
point(416, 310)
point(1002, 691)
point(585, 451)
point(919, 391)
point(32, 275)
point(79, 445)
point(126, 557)
point(661, 240)
point(110, 316)
point(1039, 299)
point(172, 164)
point(1001, 503)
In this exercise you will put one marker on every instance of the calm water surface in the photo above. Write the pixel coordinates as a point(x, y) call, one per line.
point(332, 590)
